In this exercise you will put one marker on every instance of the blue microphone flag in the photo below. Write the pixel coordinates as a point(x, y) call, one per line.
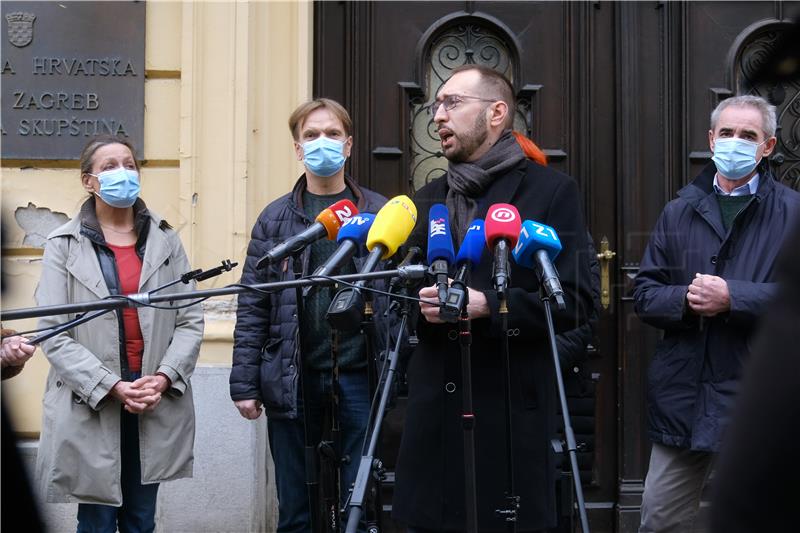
point(440, 242)
point(533, 237)
point(473, 244)
point(356, 230)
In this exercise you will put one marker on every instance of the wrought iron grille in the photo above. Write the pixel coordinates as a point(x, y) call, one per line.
point(461, 44)
point(785, 96)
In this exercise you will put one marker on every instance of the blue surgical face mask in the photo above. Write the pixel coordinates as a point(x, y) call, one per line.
point(118, 187)
point(323, 156)
point(735, 158)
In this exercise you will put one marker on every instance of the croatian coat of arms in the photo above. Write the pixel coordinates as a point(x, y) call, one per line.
point(20, 28)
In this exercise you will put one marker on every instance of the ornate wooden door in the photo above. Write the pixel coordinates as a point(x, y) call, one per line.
point(617, 94)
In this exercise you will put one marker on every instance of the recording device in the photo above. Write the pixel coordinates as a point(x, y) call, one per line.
point(392, 226)
point(469, 255)
point(537, 248)
point(502, 230)
point(440, 247)
point(327, 224)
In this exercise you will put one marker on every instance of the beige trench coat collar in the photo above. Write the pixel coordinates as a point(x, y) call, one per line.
point(85, 267)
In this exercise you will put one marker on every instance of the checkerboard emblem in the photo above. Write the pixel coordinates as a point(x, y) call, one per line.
point(20, 28)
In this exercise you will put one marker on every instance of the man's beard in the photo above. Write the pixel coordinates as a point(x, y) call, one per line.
point(471, 140)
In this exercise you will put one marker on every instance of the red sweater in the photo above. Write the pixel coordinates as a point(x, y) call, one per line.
point(129, 269)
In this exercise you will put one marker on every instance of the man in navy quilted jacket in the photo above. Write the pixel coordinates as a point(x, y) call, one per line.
point(268, 362)
point(707, 276)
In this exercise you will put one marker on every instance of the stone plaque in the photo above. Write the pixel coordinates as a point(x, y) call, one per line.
point(69, 71)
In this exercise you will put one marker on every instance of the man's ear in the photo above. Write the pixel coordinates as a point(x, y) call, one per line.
point(499, 113)
point(348, 146)
point(769, 146)
point(298, 150)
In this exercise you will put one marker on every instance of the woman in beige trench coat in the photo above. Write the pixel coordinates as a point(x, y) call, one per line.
point(118, 410)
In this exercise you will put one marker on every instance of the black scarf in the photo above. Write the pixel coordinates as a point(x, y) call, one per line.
point(467, 181)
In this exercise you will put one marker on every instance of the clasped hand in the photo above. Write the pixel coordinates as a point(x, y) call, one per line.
point(708, 295)
point(141, 395)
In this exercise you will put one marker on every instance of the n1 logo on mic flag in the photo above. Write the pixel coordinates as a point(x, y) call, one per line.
point(473, 244)
point(535, 236)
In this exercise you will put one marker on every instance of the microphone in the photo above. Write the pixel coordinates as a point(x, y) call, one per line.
point(502, 230)
point(469, 255)
point(351, 238)
point(327, 224)
point(392, 226)
point(537, 248)
point(440, 246)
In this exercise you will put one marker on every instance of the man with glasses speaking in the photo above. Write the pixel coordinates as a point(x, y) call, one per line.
point(473, 112)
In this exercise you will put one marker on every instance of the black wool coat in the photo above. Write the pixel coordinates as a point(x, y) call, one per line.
point(429, 491)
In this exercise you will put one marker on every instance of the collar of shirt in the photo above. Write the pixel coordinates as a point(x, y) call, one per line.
point(742, 190)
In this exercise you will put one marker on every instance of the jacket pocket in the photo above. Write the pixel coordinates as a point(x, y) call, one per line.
point(673, 369)
point(272, 373)
point(270, 349)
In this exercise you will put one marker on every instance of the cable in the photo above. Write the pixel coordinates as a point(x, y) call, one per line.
point(374, 291)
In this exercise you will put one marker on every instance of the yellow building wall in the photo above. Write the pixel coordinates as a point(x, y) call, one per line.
point(221, 80)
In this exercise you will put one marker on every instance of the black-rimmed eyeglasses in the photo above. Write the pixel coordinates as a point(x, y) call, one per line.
point(452, 100)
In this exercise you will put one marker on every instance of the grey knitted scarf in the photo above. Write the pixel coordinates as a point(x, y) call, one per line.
point(467, 181)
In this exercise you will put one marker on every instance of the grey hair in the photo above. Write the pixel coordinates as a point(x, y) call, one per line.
point(767, 110)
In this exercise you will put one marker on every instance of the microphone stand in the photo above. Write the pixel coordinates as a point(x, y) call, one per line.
point(369, 464)
point(309, 448)
point(357, 303)
point(509, 513)
point(330, 451)
point(500, 275)
point(198, 275)
point(459, 293)
point(373, 517)
point(562, 396)
point(139, 299)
